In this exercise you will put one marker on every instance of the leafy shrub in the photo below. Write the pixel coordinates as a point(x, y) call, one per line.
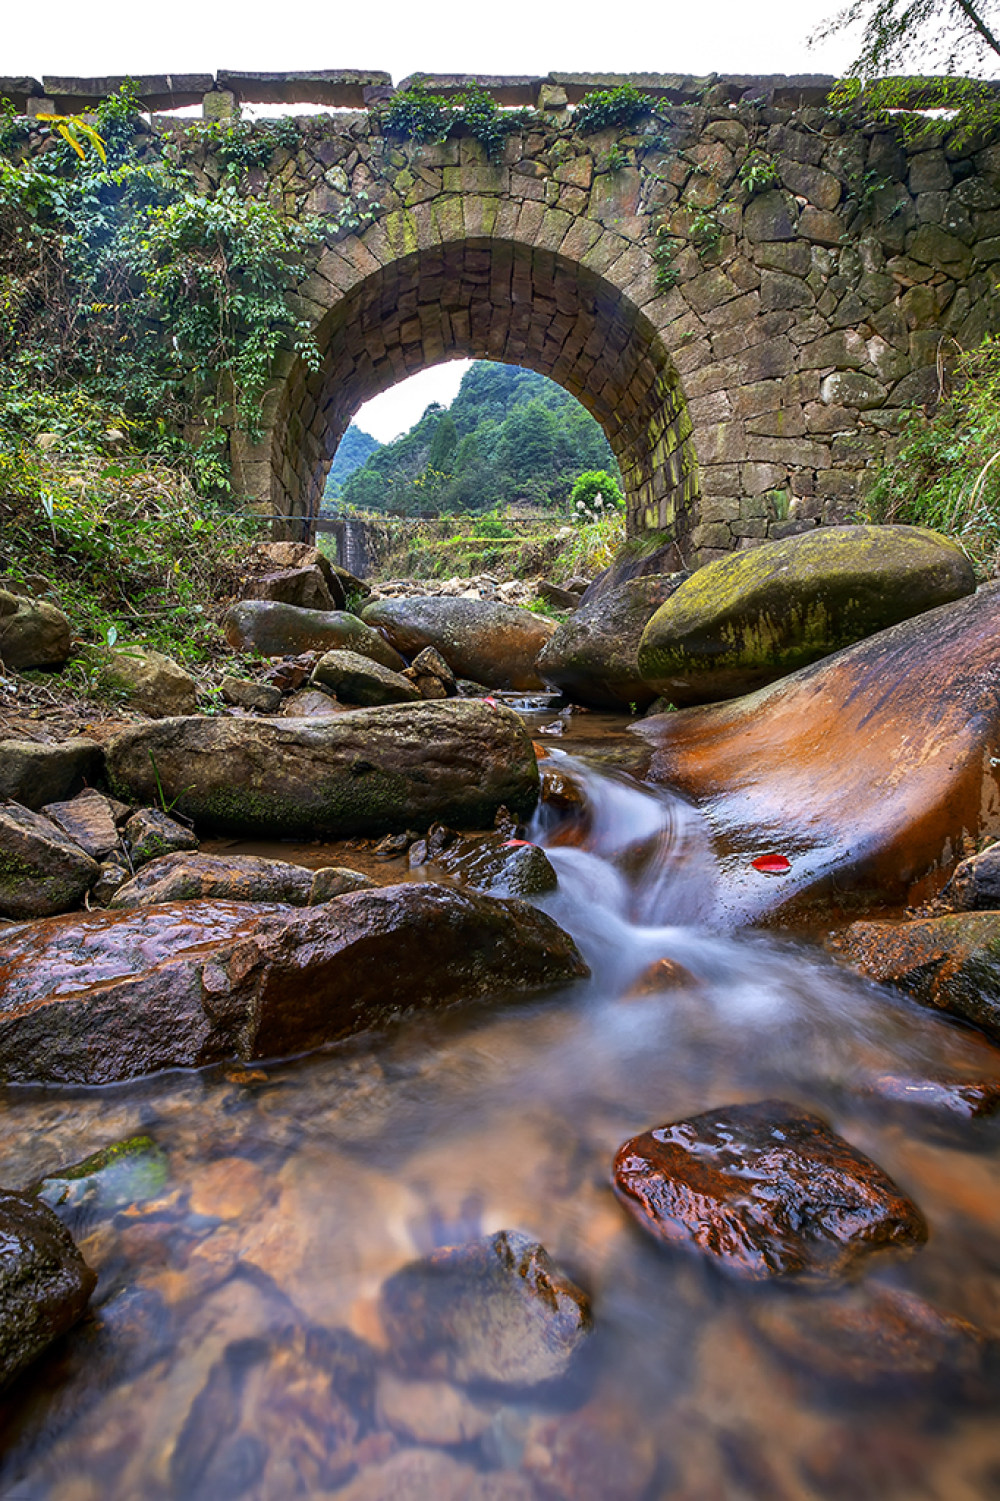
point(421, 116)
point(492, 525)
point(758, 173)
point(595, 494)
point(602, 108)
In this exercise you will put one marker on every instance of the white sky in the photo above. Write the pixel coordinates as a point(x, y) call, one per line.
point(452, 36)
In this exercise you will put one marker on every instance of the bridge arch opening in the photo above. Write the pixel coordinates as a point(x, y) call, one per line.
point(493, 300)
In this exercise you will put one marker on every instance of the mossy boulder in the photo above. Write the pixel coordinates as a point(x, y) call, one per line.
point(33, 633)
point(479, 639)
point(147, 680)
point(280, 630)
point(594, 656)
point(186, 876)
point(364, 771)
point(42, 870)
point(748, 619)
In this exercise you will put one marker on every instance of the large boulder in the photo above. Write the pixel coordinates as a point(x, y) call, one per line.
point(304, 587)
point(755, 616)
point(951, 963)
point(288, 555)
point(148, 681)
point(766, 1189)
point(277, 630)
point(113, 995)
point(42, 870)
point(490, 643)
point(867, 772)
point(45, 1283)
point(366, 771)
point(33, 633)
point(359, 680)
point(233, 878)
point(35, 774)
point(594, 656)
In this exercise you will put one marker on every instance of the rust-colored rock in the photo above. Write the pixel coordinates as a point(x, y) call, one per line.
point(868, 770)
point(766, 1189)
point(95, 997)
point(490, 643)
point(951, 963)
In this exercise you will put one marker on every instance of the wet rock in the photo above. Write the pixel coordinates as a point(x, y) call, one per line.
point(659, 977)
point(113, 995)
point(279, 630)
point(44, 1282)
point(495, 862)
point(969, 1099)
point(492, 643)
point(33, 633)
point(873, 1336)
point(430, 663)
point(429, 1475)
point(495, 1311)
point(311, 703)
point(368, 771)
point(111, 878)
point(306, 588)
point(42, 870)
point(35, 774)
point(867, 770)
point(89, 820)
point(187, 876)
point(431, 1412)
point(766, 1189)
point(975, 885)
point(263, 697)
point(359, 680)
point(147, 681)
point(150, 833)
point(758, 615)
point(336, 880)
point(594, 657)
point(951, 963)
point(599, 1452)
point(127, 1172)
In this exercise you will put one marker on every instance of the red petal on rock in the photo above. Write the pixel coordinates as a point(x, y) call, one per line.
point(510, 844)
point(491, 701)
point(771, 865)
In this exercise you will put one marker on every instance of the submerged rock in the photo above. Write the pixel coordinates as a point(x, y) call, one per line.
point(492, 643)
point(755, 616)
point(234, 878)
point(359, 680)
point(33, 633)
point(496, 1311)
point(594, 657)
point(766, 1189)
point(112, 995)
point(367, 771)
point(42, 870)
point(125, 1173)
point(490, 862)
point(35, 774)
point(600, 1451)
point(45, 1283)
point(951, 963)
point(868, 770)
point(279, 630)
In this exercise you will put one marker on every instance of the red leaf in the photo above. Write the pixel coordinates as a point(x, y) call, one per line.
point(771, 865)
point(492, 702)
point(510, 844)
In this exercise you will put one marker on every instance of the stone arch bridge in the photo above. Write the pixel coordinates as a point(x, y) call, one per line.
point(744, 289)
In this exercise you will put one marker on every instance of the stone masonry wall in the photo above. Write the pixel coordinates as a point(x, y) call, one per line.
point(749, 354)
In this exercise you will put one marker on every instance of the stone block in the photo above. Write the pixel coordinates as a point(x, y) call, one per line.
point(765, 361)
point(931, 246)
point(929, 172)
point(844, 349)
point(756, 480)
point(790, 256)
point(799, 452)
point(820, 418)
point(770, 216)
point(779, 292)
point(821, 226)
point(788, 422)
point(710, 290)
point(851, 388)
point(819, 188)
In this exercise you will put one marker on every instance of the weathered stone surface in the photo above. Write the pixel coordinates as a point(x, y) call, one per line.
point(491, 643)
point(600, 1451)
point(494, 1311)
point(33, 633)
point(594, 656)
point(305, 588)
point(45, 1284)
point(282, 630)
point(35, 774)
point(148, 681)
point(336, 880)
point(112, 995)
point(488, 862)
point(150, 833)
point(263, 697)
point(311, 703)
point(746, 620)
point(367, 771)
point(767, 1189)
point(868, 770)
point(430, 664)
point(232, 878)
point(359, 680)
point(430, 1412)
point(431, 1475)
point(975, 885)
point(42, 870)
point(951, 963)
point(89, 820)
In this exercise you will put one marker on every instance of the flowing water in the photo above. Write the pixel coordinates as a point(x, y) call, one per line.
point(275, 1201)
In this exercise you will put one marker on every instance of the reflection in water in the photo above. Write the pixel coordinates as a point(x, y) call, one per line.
point(236, 1349)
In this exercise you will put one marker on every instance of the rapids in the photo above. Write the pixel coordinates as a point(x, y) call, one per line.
point(283, 1196)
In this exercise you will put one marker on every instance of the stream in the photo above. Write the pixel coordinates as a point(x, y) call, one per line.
point(241, 1255)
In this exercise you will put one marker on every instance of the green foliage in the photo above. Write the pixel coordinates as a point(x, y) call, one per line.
point(240, 145)
point(758, 173)
point(704, 230)
point(12, 130)
point(946, 473)
point(419, 115)
point(492, 525)
point(973, 109)
point(618, 157)
point(663, 255)
point(595, 494)
point(602, 108)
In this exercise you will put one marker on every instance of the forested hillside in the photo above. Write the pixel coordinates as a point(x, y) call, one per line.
point(355, 447)
point(509, 435)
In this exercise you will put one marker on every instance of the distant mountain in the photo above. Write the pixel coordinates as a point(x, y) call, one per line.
point(509, 435)
point(355, 447)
